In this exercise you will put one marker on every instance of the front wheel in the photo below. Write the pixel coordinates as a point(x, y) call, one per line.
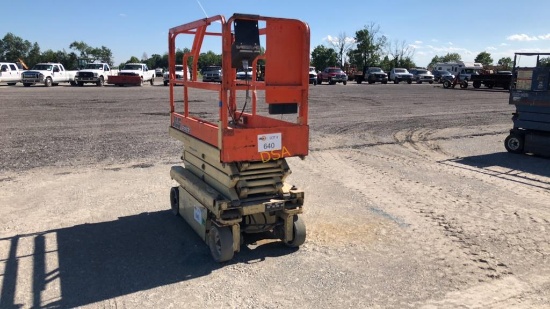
point(220, 240)
point(100, 82)
point(299, 230)
point(447, 84)
point(48, 82)
point(464, 85)
point(175, 200)
point(345, 82)
point(431, 82)
point(409, 81)
point(152, 81)
point(514, 143)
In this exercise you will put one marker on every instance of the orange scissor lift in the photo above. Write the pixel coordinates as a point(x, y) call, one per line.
point(233, 179)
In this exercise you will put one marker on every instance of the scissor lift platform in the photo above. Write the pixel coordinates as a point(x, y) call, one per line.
point(233, 178)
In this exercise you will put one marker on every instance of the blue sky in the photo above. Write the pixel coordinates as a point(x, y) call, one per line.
point(132, 28)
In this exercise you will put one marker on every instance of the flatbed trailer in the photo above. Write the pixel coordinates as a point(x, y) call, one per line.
point(502, 80)
point(530, 93)
point(233, 178)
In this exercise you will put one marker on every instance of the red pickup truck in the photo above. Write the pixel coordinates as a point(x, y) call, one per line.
point(332, 75)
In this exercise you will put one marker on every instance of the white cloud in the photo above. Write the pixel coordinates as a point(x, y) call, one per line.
point(450, 43)
point(334, 40)
point(521, 37)
point(503, 44)
point(417, 42)
point(544, 37)
point(491, 48)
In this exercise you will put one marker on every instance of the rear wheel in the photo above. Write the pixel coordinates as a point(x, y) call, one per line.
point(220, 240)
point(514, 143)
point(477, 84)
point(152, 81)
point(345, 82)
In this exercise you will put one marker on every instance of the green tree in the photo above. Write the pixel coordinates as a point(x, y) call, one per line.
point(322, 57)
point(369, 46)
point(544, 62)
point(205, 59)
point(102, 53)
point(449, 57)
point(13, 47)
point(484, 58)
point(505, 62)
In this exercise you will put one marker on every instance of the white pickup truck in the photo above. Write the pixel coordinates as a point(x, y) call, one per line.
point(133, 74)
point(49, 74)
point(9, 73)
point(178, 72)
point(96, 73)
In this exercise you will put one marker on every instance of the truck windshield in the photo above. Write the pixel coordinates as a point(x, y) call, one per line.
point(179, 67)
point(132, 67)
point(43, 67)
point(400, 70)
point(94, 66)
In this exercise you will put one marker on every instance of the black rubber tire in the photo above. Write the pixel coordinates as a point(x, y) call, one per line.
point(345, 83)
point(446, 84)
point(100, 82)
point(396, 81)
point(385, 82)
point(48, 82)
point(409, 81)
point(220, 240)
point(26, 84)
point(464, 84)
point(319, 81)
point(431, 82)
point(165, 83)
point(299, 230)
point(152, 81)
point(174, 200)
point(80, 84)
point(514, 143)
point(359, 81)
point(476, 84)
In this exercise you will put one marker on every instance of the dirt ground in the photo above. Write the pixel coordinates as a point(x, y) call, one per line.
point(411, 202)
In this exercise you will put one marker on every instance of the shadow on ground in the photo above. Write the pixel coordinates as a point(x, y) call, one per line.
point(104, 260)
point(518, 166)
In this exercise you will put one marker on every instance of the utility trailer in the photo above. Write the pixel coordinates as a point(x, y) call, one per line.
point(502, 79)
point(530, 93)
point(233, 178)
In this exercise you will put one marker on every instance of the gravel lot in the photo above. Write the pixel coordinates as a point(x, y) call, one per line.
point(411, 202)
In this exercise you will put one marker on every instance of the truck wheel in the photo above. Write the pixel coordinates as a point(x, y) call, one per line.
point(514, 143)
point(11, 84)
point(175, 200)
point(359, 81)
point(319, 81)
point(152, 81)
point(409, 81)
point(165, 83)
point(100, 82)
point(396, 81)
point(464, 84)
point(446, 84)
point(385, 82)
point(48, 82)
point(73, 83)
point(431, 82)
point(80, 84)
point(345, 83)
point(220, 240)
point(299, 230)
point(26, 84)
point(477, 84)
